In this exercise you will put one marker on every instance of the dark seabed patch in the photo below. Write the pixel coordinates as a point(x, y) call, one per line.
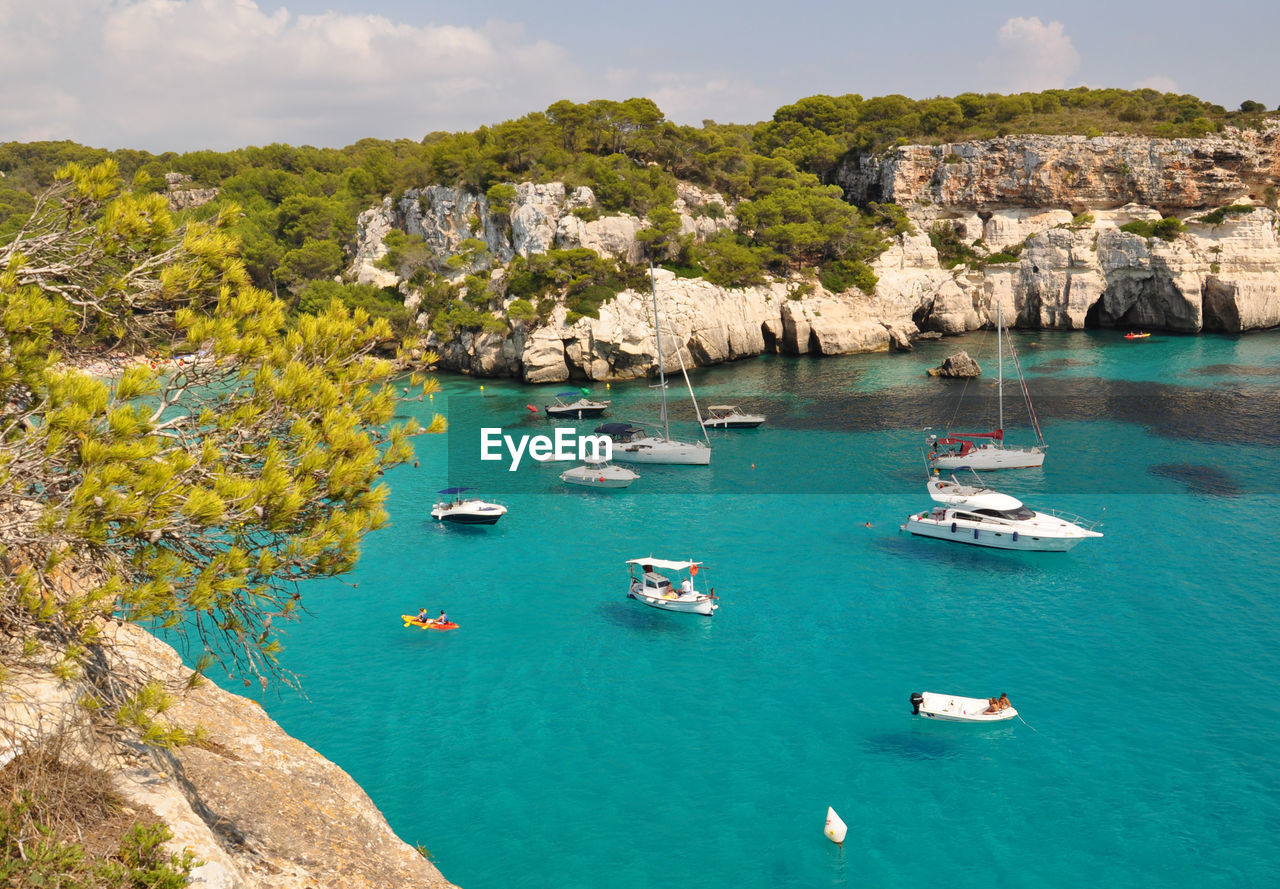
point(909, 745)
point(1237, 415)
point(1237, 370)
point(1198, 479)
point(1057, 364)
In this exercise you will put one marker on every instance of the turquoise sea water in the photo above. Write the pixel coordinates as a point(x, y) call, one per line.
point(568, 737)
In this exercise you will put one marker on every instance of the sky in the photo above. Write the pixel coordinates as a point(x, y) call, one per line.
point(181, 75)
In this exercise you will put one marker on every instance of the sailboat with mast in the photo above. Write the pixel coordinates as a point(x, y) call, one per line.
point(635, 444)
point(987, 450)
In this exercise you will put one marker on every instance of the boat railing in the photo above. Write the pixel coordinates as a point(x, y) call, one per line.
point(1088, 524)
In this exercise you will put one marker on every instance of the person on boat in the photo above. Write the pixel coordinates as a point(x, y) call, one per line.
point(686, 587)
point(1004, 701)
point(993, 705)
point(443, 618)
point(423, 616)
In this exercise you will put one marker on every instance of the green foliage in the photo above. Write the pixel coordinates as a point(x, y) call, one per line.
point(844, 274)
point(731, 262)
point(63, 825)
point(952, 250)
point(194, 498)
point(585, 279)
point(376, 302)
point(1218, 216)
point(521, 310)
point(1166, 229)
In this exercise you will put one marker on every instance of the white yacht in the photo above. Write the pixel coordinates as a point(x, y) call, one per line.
point(598, 474)
point(656, 590)
point(469, 511)
point(979, 516)
point(729, 416)
point(987, 450)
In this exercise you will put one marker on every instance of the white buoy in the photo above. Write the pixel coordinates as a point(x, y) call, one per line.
point(836, 828)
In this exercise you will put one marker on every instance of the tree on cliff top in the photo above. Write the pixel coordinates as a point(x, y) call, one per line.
point(193, 497)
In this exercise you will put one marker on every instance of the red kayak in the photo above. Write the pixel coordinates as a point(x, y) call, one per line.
point(1136, 336)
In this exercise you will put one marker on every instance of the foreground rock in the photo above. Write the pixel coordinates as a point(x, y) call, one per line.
point(259, 807)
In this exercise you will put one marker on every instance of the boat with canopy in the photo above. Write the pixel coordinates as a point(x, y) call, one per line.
point(655, 589)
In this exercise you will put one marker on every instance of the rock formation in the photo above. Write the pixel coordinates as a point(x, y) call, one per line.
point(1057, 202)
point(957, 366)
point(261, 809)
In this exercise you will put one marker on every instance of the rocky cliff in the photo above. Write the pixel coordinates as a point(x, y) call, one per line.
point(1058, 202)
point(262, 810)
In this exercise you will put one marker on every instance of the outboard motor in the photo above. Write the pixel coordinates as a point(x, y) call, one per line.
point(916, 700)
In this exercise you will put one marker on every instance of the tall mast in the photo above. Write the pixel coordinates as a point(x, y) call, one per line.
point(1000, 358)
point(657, 335)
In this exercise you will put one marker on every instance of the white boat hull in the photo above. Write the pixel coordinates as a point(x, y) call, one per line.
point(990, 457)
point(469, 512)
point(953, 708)
point(695, 604)
point(658, 450)
point(962, 531)
point(612, 477)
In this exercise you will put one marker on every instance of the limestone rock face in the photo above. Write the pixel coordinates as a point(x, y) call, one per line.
point(959, 366)
point(182, 195)
point(1073, 173)
point(371, 227)
point(262, 809)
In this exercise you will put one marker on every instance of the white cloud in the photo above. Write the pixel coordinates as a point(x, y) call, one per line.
point(1032, 56)
point(183, 74)
point(1158, 82)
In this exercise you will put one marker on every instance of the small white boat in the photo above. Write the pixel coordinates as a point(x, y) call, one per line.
point(835, 828)
point(954, 708)
point(729, 416)
point(977, 515)
point(656, 590)
point(577, 409)
point(598, 474)
point(471, 511)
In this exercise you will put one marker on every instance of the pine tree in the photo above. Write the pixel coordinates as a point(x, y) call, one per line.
point(192, 494)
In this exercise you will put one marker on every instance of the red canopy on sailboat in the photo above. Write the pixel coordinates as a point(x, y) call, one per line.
point(998, 434)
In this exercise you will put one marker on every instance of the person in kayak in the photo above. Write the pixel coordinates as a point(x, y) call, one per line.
point(423, 616)
point(443, 618)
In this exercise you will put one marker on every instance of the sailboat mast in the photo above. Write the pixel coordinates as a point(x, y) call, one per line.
point(1000, 360)
point(657, 335)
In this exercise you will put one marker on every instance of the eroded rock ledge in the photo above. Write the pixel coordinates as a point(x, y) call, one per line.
point(260, 808)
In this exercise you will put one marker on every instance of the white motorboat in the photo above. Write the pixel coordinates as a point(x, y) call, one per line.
point(598, 474)
point(977, 515)
point(634, 444)
point(729, 416)
point(987, 450)
point(469, 511)
point(655, 589)
point(954, 708)
point(579, 408)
